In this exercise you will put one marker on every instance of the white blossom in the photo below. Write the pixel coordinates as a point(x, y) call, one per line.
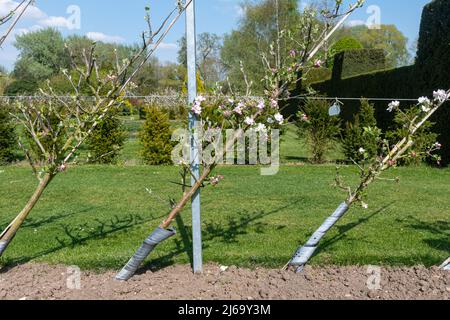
point(261, 105)
point(261, 127)
point(441, 96)
point(279, 118)
point(393, 105)
point(249, 121)
point(362, 150)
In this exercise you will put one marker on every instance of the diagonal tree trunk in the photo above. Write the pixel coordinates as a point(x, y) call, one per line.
point(10, 231)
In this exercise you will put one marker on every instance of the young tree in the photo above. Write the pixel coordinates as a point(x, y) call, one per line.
point(156, 137)
point(57, 142)
point(318, 128)
point(370, 173)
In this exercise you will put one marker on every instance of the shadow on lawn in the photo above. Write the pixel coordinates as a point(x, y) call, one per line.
point(227, 232)
point(79, 234)
point(344, 229)
point(440, 231)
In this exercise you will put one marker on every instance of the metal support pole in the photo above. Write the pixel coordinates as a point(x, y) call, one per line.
point(193, 123)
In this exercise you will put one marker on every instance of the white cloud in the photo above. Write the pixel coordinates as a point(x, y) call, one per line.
point(99, 36)
point(33, 12)
point(168, 46)
point(355, 23)
point(56, 22)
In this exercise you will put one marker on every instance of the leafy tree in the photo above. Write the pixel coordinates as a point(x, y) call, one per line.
point(42, 55)
point(156, 137)
point(257, 30)
point(387, 37)
point(208, 57)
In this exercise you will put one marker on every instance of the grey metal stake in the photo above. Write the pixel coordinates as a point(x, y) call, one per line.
point(193, 122)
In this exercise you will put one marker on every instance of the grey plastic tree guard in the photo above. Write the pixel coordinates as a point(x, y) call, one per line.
point(304, 254)
point(158, 236)
point(3, 246)
point(446, 265)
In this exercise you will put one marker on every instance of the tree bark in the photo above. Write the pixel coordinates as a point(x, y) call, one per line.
point(8, 234)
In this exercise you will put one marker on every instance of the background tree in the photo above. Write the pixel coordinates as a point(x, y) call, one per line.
point(209, 46)
point(41, 55)
point(155, 137)
point(257, 31)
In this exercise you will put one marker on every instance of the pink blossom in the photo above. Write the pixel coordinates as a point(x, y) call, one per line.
point(438, 146)
point(273, 103)
point(318, 64)
point(293, 53)
point(197, 109)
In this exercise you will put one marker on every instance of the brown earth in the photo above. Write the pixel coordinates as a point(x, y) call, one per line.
point(41, 281)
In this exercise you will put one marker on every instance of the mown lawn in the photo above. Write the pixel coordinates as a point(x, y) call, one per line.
point(96, 216)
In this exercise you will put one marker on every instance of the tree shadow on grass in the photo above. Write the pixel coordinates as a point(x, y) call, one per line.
point(344, 229)
point(77, 235)
point(228, 232)
point(440, 231)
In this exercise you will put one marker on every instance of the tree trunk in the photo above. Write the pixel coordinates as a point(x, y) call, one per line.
point(9, 233)
point(304, 254)
point(162, 233)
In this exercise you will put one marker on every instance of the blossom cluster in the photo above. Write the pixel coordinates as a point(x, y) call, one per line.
point(248, 113)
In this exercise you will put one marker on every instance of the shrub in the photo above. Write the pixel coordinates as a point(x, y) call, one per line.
point(360, 136)
point(106, 140)
point(424, 138)
point(343, 44)
point(318, 129)
point(155, 137)
point(8, 138)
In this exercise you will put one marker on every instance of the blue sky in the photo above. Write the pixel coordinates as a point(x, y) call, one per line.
point(122, 21)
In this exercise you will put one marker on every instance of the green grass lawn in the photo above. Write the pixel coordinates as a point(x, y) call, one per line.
point(96, 216)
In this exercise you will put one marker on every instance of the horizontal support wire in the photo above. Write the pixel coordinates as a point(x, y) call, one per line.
point(174, 97)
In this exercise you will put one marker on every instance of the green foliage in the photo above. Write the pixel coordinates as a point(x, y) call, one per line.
point(343, 44)
point(8, 138)
point(20, 87)
point(361, 137)
point(106, 140)
point(355, 62)
point(421, 79)
point(155, 137)
point(256, 32)
point(387, 38)
point(424, 139)
point(42, 55)
point(319, 130)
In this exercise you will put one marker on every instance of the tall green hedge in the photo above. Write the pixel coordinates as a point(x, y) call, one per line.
point(358, 61)
point(430, 72)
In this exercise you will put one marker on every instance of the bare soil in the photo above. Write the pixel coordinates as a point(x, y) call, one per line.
point(41, 281)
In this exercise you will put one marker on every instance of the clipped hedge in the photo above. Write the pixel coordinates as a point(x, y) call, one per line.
point(359, 61)
point(343, 44)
